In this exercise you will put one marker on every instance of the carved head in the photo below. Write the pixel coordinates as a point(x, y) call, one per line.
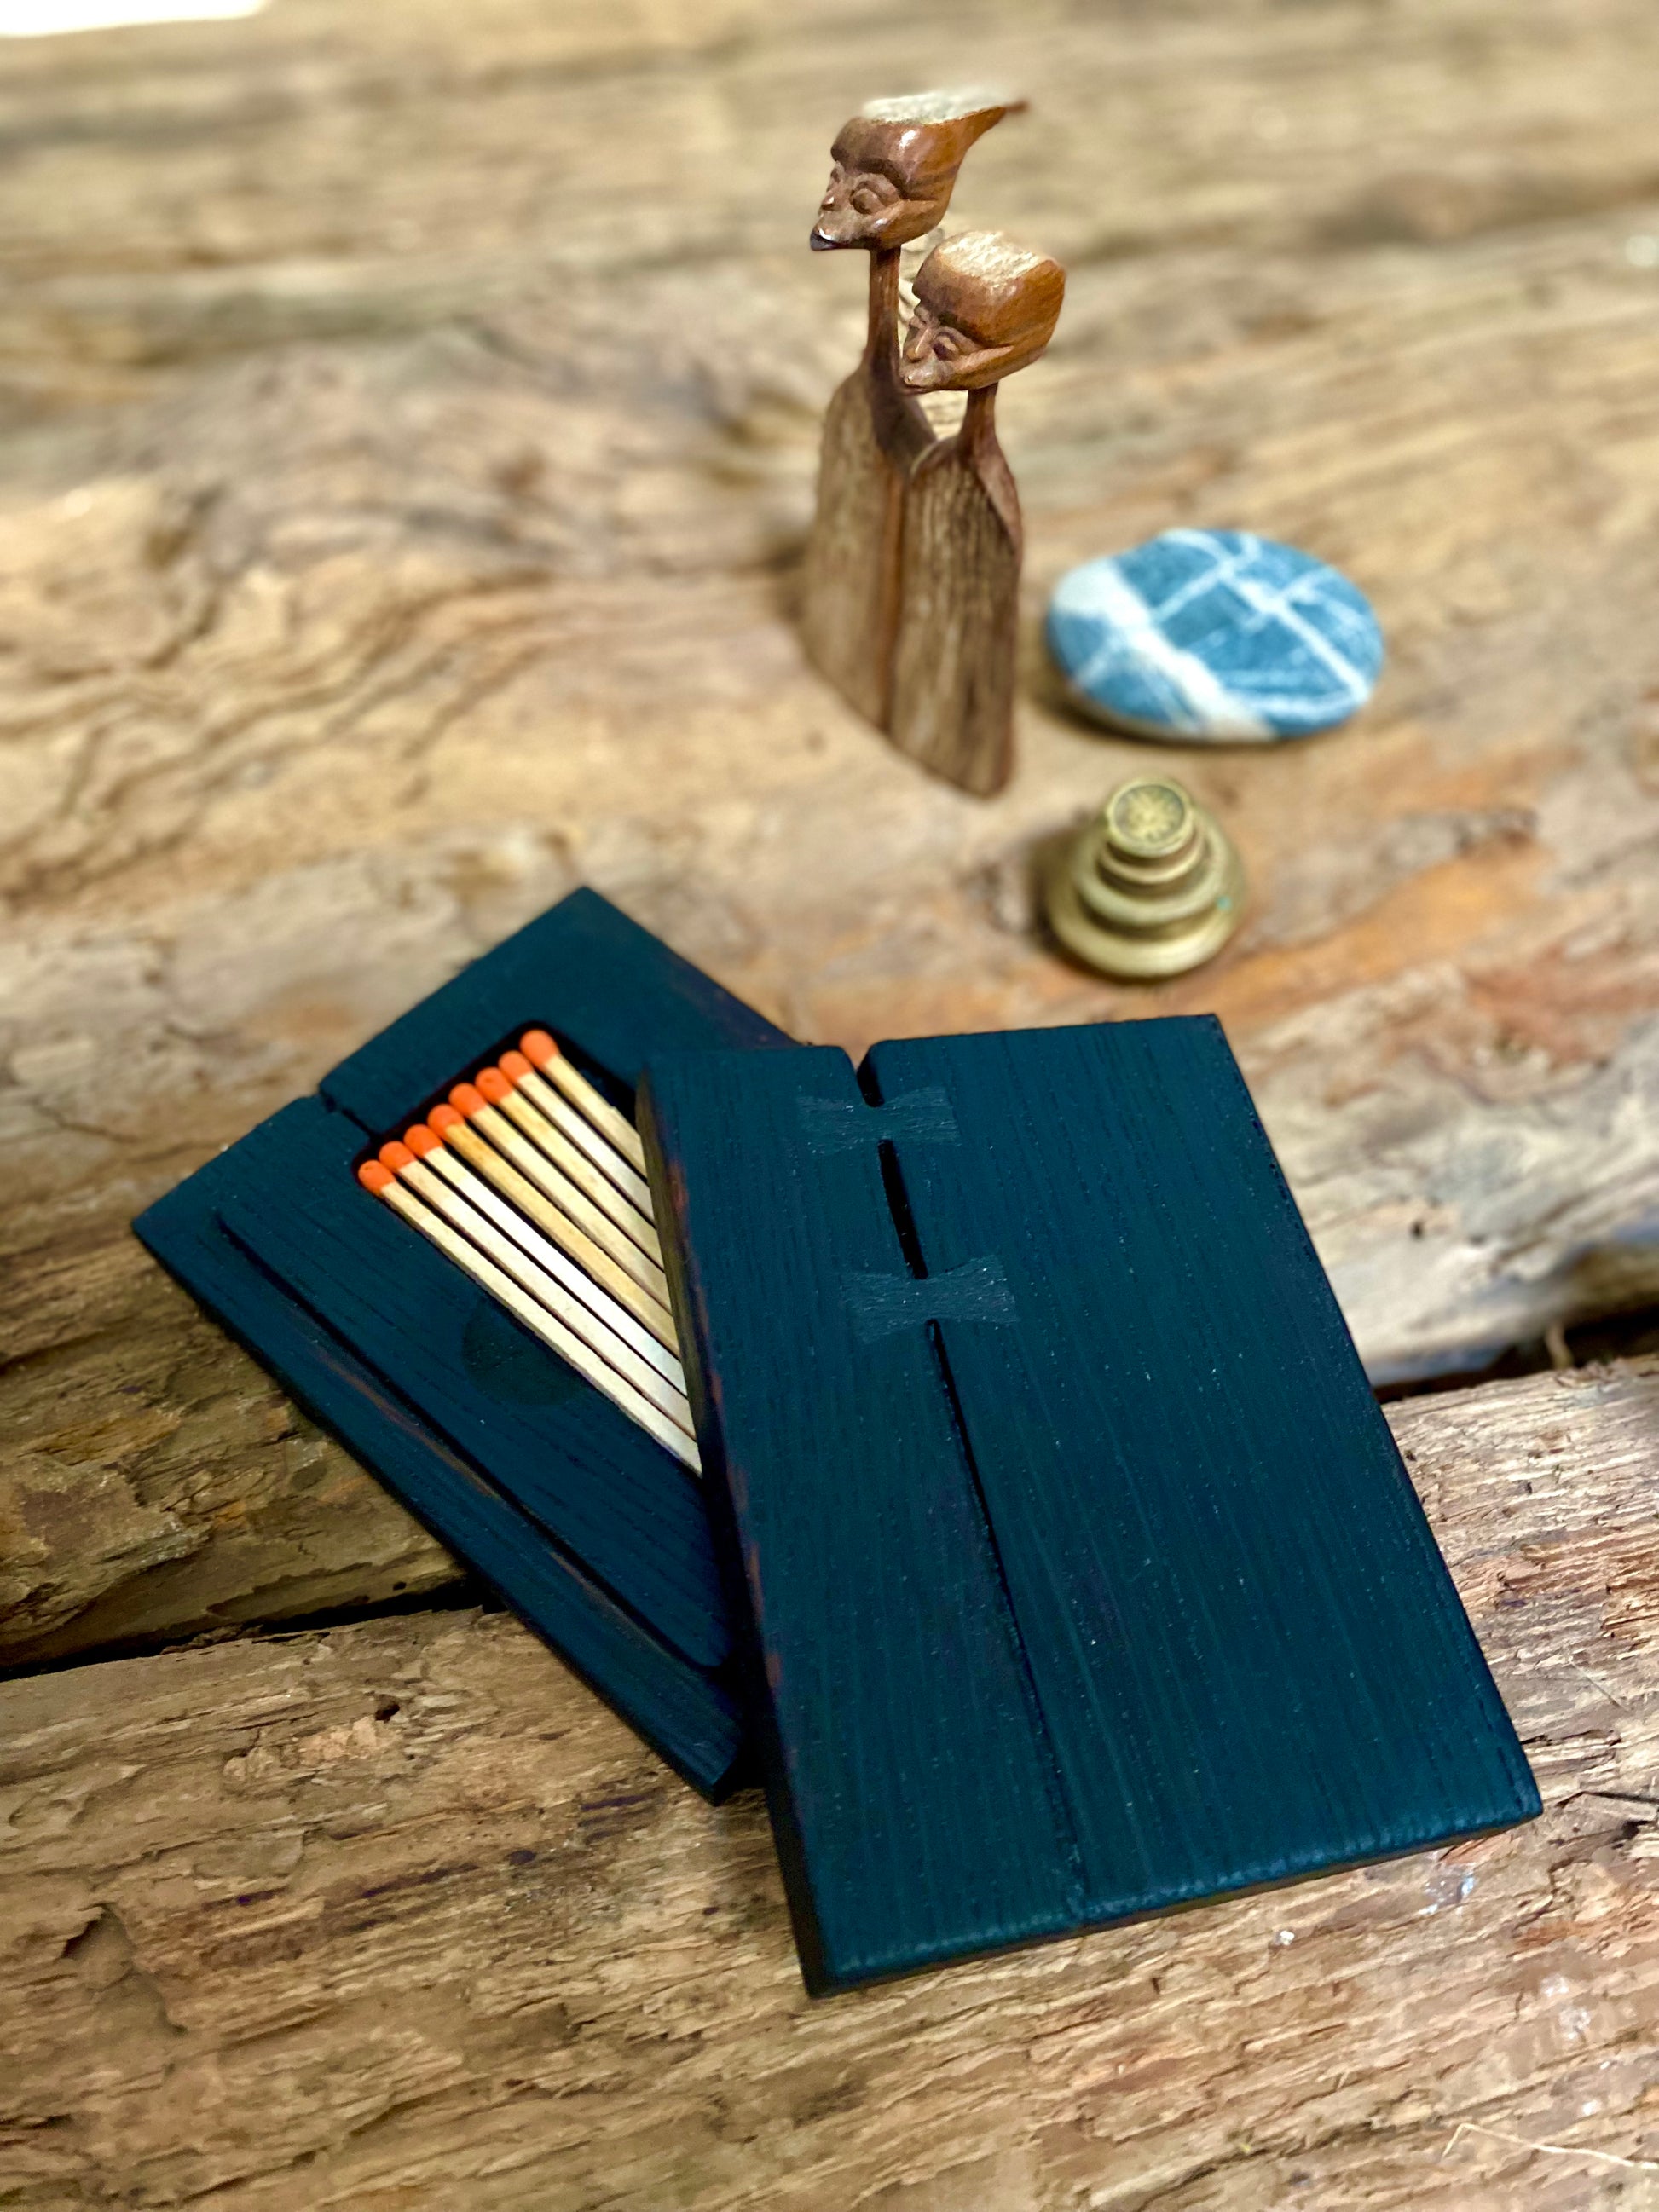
point(895, 167)
point(984, 307)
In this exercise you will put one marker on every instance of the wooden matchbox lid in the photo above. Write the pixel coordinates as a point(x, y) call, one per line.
point(1081, 1576)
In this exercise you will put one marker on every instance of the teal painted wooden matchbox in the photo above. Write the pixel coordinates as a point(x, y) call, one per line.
point(1024, 1518)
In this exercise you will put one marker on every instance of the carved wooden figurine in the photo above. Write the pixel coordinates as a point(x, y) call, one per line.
point(984, 308)
point(895, 167)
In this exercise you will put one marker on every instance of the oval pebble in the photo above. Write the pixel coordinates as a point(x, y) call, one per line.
point(1215, 636)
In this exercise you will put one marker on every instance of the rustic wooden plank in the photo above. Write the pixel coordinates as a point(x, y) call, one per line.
point(398, 1914)
point(155, 1483)
point(408, 421)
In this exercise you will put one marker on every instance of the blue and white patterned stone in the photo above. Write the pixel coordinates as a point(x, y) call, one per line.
point(1214, 635)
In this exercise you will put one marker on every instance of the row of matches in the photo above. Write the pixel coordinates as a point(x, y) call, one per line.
point(534, 1184)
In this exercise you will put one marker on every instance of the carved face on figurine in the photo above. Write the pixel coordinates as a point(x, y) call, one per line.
point(984, 307)
point(896, 165)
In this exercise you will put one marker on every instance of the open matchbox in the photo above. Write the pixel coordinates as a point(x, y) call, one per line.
point(1053, 1562)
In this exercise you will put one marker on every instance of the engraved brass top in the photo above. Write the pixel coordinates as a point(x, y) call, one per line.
point(1148, 819)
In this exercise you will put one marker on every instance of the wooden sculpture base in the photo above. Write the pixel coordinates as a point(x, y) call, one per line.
point(912, 590)
point(873, 436)
point(930, 528)
point(872, 440)
point(952, 707)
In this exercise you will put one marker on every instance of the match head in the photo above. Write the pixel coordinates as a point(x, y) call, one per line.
point(423, 1140)
point(396, 1156)
point(984, 307)
point(538, 1048)
point(895, 164)
point(465, 1099)
point(493, 1085)
point(515, 1066)
point(441, 1118)
point(373, 1176)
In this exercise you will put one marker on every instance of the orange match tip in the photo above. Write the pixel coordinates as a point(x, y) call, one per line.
point(373, 1176)
point(538, 1046)
point(441, 1118)
point(515, 1066)
point(396, 1156)
point(421, 1141)
point(465, 1099)
point(494, 1086)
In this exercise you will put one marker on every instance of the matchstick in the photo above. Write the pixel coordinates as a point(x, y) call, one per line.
point(376, 1176)
point(524, 1156)
point(427, 1145)
point(539, 1048)
point(669, 1397)
point(459, 1135)
point(580, 1131)
point(493, 1084)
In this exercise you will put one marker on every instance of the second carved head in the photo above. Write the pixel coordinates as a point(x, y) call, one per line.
point(984, 307)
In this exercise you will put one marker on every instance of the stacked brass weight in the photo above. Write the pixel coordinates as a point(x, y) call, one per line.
point(1150, 888)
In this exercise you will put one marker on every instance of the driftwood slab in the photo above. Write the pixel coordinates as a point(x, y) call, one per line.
point(397, 1915)
point(407, 427)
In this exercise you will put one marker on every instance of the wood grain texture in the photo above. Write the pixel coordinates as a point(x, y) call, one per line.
point(873, 436)
point(398, 1915)
point(408, 424)
point(849, 582)
point(1249, 1659)
point(911, 1788)
point(954, 658)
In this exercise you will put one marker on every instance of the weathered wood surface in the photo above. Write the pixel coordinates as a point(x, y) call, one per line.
point(957, 650)
point(850, 578)
point(409, 420)
point(397, 1915)
point(874, 432)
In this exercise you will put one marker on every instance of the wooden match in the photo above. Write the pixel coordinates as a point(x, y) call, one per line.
point(459, 1136)
point(639, 1368)
point(498, 1088)
point(629, 1256)
point(376, 1176)
point(426, 1144)
point(539, 1048)
point(579, 1129)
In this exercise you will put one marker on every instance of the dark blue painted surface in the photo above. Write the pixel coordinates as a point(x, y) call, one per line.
point(594, 1532)
point(1250, 1659)
point(626, 1507)
point(913, 1796)
point(687, 1715)
point(583, 971)
point(1070, 1385)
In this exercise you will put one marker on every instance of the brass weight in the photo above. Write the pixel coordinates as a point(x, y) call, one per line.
point(1151, 886)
